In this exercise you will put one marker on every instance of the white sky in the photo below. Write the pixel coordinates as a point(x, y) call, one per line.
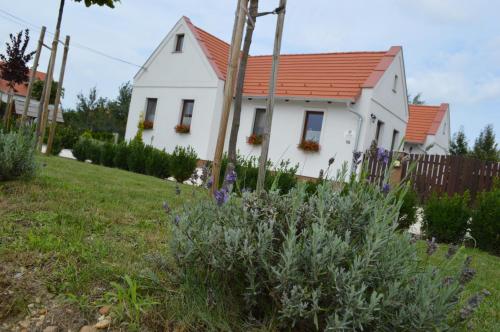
point(451, 47)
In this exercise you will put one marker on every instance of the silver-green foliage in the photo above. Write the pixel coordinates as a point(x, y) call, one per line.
point(331, 261)
point(17, 154)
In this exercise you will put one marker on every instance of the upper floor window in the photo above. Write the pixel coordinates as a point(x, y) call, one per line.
point(187, 112)
point(395, 135)
point(312, 126)
point(395, 83)
point(179, 42)
point(150, 109)
point(259, 122)
point(378, 131)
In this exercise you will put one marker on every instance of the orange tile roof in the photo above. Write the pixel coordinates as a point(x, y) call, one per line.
point(323, 75)
point(20, 89)
point(424, 120)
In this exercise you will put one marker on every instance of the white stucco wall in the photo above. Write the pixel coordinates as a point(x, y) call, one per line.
point(171, 78)
point(286, 134)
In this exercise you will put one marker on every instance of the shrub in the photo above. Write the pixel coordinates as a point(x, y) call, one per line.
point(485, 227)
point(158, 164)
point(80, 149)
point(17, 154)
point(136, 158)
point(332, 261)
point(94, 151)
point(408, 211)
point(183, 163)
point(69, 136)
point(108, 152)
point(445, 217)
point(283, 177)
point(120, 159)
point(57, 144)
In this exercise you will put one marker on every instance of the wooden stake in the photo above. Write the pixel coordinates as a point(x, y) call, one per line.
point(50, 73)
point(57, 102)
point(271, 97)
point(229, 89)
point(27, 100)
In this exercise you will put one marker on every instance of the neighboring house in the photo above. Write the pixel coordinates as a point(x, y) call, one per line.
point(20, 92)
point(428, 129)
point(342, 101)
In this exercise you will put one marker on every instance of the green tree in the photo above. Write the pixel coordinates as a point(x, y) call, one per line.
point(417, 100)
point(459, 145)
point(118, 108)
point(36, 93)
point(485, 147)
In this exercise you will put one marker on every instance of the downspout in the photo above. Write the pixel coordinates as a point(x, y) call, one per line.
point(358, 131)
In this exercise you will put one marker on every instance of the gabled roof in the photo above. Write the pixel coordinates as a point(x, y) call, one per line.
point(323, 75)
point(20, 89)
point(424, 120)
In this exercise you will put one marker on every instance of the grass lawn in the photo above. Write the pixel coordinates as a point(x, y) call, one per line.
point(77, 227)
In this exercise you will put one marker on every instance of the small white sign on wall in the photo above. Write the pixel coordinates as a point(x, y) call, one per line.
point(348, 135)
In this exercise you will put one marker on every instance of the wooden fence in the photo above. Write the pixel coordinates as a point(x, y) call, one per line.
point(436, 173)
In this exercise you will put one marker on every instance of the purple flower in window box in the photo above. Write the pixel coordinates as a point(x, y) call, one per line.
point(231, 177)
point(221, 196)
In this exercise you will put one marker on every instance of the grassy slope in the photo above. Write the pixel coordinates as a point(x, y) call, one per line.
point(84, 225)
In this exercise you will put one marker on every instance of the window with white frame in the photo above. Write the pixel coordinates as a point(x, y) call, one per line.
point(312, 126)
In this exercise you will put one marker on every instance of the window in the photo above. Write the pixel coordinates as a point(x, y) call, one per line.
point(259, 122)
point(151, 109)
point(187, 112)
point(395, 135)
point(179, 42)
point(395, 84)
point(312, 126)
point(378, 132)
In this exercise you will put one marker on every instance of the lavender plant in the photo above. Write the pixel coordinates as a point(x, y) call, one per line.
point(328, 261)
point(17, 154)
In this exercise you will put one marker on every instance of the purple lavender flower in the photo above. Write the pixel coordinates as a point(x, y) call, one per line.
point(221, 196)
point(383, 155)
point(210, 182)
point(177, 190)
point(452, 249)
point(331, 161)
point(166, 207)
point(231, 177)
point(386, 188)
point(356, 158)
point(177, 219)
point(431, 246)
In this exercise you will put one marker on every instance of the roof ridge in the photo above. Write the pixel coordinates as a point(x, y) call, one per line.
point(321, 53)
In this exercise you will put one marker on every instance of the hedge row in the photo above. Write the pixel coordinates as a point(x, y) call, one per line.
point(138, 157)
point(448, 218)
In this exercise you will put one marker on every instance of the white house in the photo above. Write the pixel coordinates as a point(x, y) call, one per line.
point(342, 101)
point(428, 129)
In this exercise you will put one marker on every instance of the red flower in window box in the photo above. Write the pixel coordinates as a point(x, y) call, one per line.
point(147, 124)
point(182, 129)
point(309, 145)
point(254, 139)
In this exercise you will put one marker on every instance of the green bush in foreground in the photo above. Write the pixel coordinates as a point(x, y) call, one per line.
point(330, 261)
point(17, 154)
point(408, 211)
point(485, 227)
point(445, 217)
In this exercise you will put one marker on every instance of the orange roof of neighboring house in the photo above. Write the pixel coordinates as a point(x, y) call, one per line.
point(20, 89)
point(323, 75)
point(424, 120)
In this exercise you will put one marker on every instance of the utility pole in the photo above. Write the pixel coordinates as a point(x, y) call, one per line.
point(229, 88)
point(50, 72)
point(57, 102)
point(33, 75)
point(271, 97)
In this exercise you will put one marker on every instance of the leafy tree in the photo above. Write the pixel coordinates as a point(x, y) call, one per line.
point(118, 108)
point(485, 147)
point(459, 145)
point(109, 3)
point(14, 67)
point(37, 90)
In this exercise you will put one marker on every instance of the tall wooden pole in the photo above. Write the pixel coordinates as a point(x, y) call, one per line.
point(57, 102)
point(50, 73)
point(229, 89)
point(27, 100)
point(271, 97)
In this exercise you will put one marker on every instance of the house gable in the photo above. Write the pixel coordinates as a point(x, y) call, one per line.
point(165, 67)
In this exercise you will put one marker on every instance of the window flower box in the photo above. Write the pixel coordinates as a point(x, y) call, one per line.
point(309, 146)
point(254, 139)
point(148, 124)
point(182, 129)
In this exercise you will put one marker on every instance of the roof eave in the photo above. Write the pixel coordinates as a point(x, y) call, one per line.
point(304, 98)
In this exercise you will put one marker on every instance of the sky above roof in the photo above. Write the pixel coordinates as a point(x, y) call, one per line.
point(451, 47)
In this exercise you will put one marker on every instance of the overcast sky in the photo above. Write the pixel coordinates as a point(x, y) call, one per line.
point(451, 47)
